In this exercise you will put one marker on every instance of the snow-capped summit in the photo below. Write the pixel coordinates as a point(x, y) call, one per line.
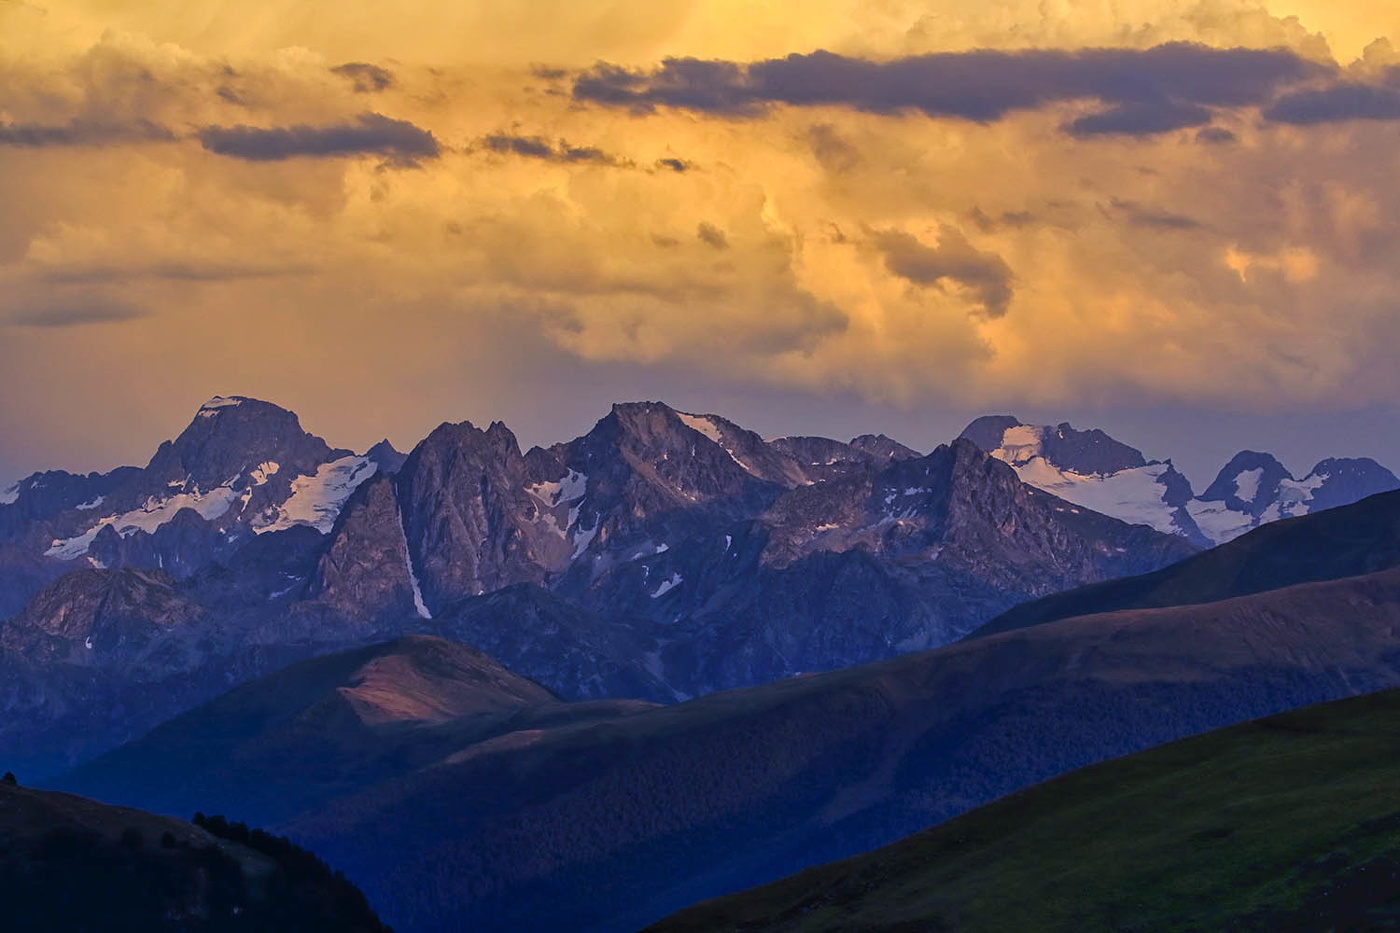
point(1254, 488)
point(1250, 482)
point(1093, 470)
point(242, 467)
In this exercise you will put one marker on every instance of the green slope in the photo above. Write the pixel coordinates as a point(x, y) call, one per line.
point(1287, 823)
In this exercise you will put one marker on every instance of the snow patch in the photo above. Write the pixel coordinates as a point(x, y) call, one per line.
point(707, 427)
point(652, 662)
point(1247, 483)
point(317, 500)
point(651, 550)
point(1019, 444)
point(667, 586)
point(154, 513)
point(280, 593)
point(1217, 522)
point(89, 506)
point(584, 537)
point(418, 605)
point(9, 495)
point(1134, 495)
point(210, 408)
point(1295, 496)
point(569, 489)
point(702, 424)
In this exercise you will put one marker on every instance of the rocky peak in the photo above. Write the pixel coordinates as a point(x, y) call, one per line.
point(644, 458)
point(1087, 453)
point(43, 496)
point(91, 617)
point(470, 522)
point(822, 458)
point(883, 448)
point(385, 457)
point(1344, 480)
point(231, 438)
point(1248, 483)
point(987, 431)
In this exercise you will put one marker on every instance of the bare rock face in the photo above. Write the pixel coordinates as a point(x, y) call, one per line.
point(645, 460)
point(99, 616)
point(883, 448)
point(364, 575)
point(963, 508)
point(470, 523)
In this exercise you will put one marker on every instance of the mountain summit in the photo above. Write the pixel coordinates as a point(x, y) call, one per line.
point(1094, 470)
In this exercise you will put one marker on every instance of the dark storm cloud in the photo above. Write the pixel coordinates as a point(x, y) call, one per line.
point(986, 274)
point(675, 165)
point(1146, 90)
point(537, 147)
point(370, 134)
point(1139, 118)
point(365, 78)
point(1335, 104)
point(73, 312)
point(81, 133)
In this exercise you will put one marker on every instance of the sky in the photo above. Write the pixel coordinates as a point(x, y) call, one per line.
point(1173, 220)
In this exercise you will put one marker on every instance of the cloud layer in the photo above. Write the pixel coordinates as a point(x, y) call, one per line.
point(1143, 91)
point(1186, 204)
point(367, 134)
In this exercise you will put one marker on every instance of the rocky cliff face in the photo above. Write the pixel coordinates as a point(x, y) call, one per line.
point(471, 525)
point(364, 574)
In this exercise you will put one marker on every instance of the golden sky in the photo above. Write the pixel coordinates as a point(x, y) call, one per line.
point(389, 215)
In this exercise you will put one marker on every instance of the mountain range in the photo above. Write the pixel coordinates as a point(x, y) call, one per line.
point(529, 813)
point(1093, 470)
point(593, 683)
point(660, 556)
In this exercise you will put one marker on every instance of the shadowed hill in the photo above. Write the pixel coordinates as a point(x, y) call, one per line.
point(67, 863)
point(270, 748)
point(1287, 823)
point(608, 826)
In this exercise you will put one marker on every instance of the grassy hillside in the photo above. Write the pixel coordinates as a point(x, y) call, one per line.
point(71, 864)
point(1343, 542)
point(1291, 822)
